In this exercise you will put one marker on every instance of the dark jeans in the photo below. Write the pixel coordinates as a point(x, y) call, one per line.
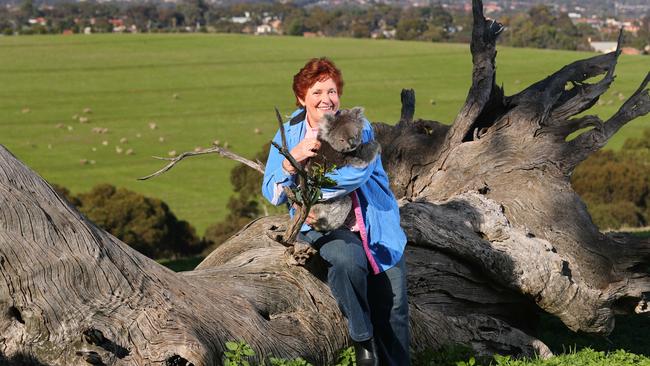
point(375, 305)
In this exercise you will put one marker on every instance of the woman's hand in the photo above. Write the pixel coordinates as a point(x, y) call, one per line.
point(301, 152)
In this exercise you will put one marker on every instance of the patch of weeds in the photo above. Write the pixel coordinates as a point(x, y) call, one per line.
point(346, 357)
point(237, 354)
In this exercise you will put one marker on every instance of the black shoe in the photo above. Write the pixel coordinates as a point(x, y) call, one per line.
point(366, 353)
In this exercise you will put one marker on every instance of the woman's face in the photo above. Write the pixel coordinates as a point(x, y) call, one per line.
point(320, 99)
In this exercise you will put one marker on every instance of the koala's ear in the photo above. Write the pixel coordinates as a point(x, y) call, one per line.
point(357, 112)
point(326, 123)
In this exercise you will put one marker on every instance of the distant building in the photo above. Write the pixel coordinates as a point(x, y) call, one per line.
point(39, 20)
point(382, 33)
point(630, 51)
point(276, 25)
point(241, 20)
point(492, 7)
point(264, 29)
point(593, 22)
point(603, 47)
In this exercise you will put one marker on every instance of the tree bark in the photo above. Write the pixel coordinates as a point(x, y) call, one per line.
point(495, 231)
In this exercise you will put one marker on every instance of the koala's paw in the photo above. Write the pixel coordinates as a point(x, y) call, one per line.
point(299, 253)
point(365, 154)
point(331, 215)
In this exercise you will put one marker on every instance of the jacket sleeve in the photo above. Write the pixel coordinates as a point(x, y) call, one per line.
point(275, 177)
point(349, 178)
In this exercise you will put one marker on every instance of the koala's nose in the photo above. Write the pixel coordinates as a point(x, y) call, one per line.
point(353, 142)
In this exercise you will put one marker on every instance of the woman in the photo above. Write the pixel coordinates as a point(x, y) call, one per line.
point(366, 270)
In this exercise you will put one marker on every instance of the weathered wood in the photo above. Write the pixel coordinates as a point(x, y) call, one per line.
point(495, 231)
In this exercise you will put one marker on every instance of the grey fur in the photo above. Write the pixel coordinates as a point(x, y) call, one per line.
point(340, 136)
point(331, 214)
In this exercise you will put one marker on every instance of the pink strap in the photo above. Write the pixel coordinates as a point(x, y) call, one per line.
point(362, 231)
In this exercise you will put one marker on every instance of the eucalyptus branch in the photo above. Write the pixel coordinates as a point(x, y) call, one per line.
point(215, 149)
point(287, 155)
point(282, 133)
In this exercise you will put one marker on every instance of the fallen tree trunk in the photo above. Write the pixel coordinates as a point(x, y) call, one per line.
point(494, 227)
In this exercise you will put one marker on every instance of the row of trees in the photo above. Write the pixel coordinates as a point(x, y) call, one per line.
point(540, 27)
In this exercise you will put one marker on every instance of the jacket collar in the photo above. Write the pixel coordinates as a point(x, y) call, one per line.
point(296, 126)
point(298, 117)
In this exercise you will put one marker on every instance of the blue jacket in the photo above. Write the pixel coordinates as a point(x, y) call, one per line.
point(386, 240)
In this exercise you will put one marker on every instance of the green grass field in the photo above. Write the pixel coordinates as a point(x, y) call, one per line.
point(198, 88)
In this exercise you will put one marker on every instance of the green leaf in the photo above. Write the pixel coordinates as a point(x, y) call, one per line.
point(232, 346)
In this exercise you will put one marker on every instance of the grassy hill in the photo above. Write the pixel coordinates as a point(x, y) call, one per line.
point(198, 88)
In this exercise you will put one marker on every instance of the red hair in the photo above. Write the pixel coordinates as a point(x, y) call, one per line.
point(316, 69)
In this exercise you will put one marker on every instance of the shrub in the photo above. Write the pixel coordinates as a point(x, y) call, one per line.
point(615, 185)
point(146, 224)
point(246, 203)
point(616, 215)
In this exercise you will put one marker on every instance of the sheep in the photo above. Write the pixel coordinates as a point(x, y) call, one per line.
point(100, 130)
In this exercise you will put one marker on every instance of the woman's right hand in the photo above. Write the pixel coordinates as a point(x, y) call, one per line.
point(305, 149)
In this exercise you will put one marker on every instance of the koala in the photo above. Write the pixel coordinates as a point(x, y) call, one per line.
point(340, 137)
point(341, 145)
